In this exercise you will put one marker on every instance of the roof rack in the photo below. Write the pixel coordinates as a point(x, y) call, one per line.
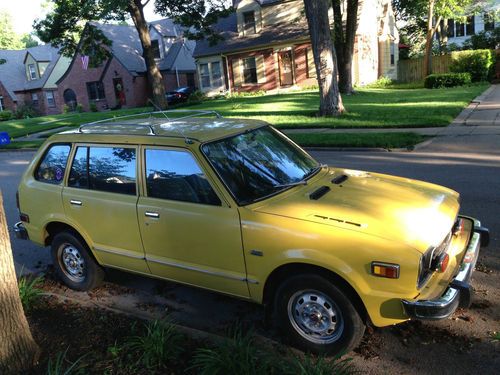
point(151, 131)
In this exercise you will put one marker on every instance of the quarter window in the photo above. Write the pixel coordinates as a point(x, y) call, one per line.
point(216, 74)
point(34, 99)
point(155, 46)
point(205, 75)
point(175, 175)
point(51, 169)
point(79, 173)
point(249, 22)
point(32, 71)
point(95, 90)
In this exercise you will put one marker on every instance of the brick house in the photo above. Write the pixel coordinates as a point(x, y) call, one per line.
point(121, 80)
point(266, 46)
point(28, 77)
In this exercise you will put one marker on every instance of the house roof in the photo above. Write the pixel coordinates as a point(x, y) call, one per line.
point(233, 42)
point(127, 47)
point(13, 73)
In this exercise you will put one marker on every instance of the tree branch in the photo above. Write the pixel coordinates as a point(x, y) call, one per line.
point(145, 3)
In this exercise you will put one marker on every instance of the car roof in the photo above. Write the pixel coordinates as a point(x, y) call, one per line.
point(200, 129)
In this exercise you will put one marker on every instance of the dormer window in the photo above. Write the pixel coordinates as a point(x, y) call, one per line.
point(249, 23)
point(155, 46)
point(32, 71)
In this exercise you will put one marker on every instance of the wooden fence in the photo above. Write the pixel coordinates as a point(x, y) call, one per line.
point(413, 70)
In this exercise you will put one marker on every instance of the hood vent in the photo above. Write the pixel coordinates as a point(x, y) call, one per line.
point(341, 221)
point(319, 192)
point(339, 179)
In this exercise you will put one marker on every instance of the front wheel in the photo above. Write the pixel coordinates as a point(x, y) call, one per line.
point(317, 316)
point(73, 262)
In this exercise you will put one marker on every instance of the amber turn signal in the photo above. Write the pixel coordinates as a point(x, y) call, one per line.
point(388, 270)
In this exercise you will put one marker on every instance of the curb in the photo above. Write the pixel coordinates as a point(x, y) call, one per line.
point(479, 99)
point(353, 149)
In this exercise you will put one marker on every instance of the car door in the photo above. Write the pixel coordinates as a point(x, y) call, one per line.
point(100, 199)
point(189, 234)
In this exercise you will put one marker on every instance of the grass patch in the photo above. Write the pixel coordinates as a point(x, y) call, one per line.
point(394, 107)
point(376, 140)
point(29, 291)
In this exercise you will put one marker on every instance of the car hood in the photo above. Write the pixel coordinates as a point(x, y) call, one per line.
point(413, 212)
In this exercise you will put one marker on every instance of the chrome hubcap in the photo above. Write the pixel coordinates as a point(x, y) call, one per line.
point(315, 317)
point(72, 262)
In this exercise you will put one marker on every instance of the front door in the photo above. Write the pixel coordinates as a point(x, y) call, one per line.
point(189, 234)
point(100, 199)
point(286, 68)
point(119, 91)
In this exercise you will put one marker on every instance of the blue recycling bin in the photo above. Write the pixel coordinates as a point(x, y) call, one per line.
point(4, 138)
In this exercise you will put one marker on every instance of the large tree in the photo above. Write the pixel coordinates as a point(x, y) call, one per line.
point(8, 37)
point(324, 57)
point(18, 350)
point(344, 36)
point(64, 27)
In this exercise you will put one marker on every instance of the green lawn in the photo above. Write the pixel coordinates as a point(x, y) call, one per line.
point(369, 108)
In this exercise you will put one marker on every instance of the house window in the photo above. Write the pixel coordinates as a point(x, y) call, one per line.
point(34, 99)
point(32, 71)
point(204, 75)
point(50, 99)
point(311, 68)
point(249, 70)
point(470, 26)
point(249, 23)
point(451, 28)
point(95, 90)
point(1, 104)
point(216, 74)
point(155, 46)
point(459, 29)
point(489, 21)
point(393, 53)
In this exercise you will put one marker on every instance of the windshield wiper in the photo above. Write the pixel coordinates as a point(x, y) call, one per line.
point(304, 178)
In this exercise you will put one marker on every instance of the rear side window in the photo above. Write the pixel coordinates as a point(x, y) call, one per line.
point(111, 169)
point(175, 175)
point(53, 165)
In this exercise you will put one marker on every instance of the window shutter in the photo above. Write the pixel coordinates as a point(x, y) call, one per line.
point(261, 72)
point(237, 76)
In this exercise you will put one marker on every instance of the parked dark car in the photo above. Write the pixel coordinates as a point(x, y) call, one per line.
point(179, 95)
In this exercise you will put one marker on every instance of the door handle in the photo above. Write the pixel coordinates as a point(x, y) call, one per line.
point(75, 202)
point(154, 215)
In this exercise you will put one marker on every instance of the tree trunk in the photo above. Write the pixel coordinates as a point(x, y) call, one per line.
point(344, 41)
point(324, 57)
point(136, 10)
point(18, 350)
point(428, 43)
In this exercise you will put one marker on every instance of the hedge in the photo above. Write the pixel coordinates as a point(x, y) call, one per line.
point(436, 81)
point(5, 115)
point(476, 62)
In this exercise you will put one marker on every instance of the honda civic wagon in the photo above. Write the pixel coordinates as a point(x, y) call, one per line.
point(234, 206)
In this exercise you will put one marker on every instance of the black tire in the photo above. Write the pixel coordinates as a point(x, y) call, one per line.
point(73, 262)
point(316, 316)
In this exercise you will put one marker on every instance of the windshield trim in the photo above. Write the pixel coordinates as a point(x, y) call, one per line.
point(318, 167)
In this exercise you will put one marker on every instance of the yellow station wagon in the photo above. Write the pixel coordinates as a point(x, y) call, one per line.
point(236, 207)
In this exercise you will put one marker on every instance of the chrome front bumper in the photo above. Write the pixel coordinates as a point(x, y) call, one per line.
point(459, 293)
point(20, 231)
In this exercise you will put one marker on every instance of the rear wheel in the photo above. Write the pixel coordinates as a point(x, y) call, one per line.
point(73, 262)
point(317, 316)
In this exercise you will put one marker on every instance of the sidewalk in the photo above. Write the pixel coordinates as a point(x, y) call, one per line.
point(482, 116)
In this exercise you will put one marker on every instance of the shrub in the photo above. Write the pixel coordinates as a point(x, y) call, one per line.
point(197, 97)
point(25, 111)
point(477, 63)
point(5, 115)
point(484, 40)
point(29, 292)
point(93, 107)
point(381, 83)
point(66, 108)
point(436, 81)
point(79, 108)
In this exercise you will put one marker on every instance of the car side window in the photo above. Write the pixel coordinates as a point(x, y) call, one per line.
point(111, 169)
point(78, 174)
point(53, 165)
point(175, 175)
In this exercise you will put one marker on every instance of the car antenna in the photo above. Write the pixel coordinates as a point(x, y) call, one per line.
point(186, 139)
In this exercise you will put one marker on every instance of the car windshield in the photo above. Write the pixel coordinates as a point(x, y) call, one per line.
point(259, 163)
